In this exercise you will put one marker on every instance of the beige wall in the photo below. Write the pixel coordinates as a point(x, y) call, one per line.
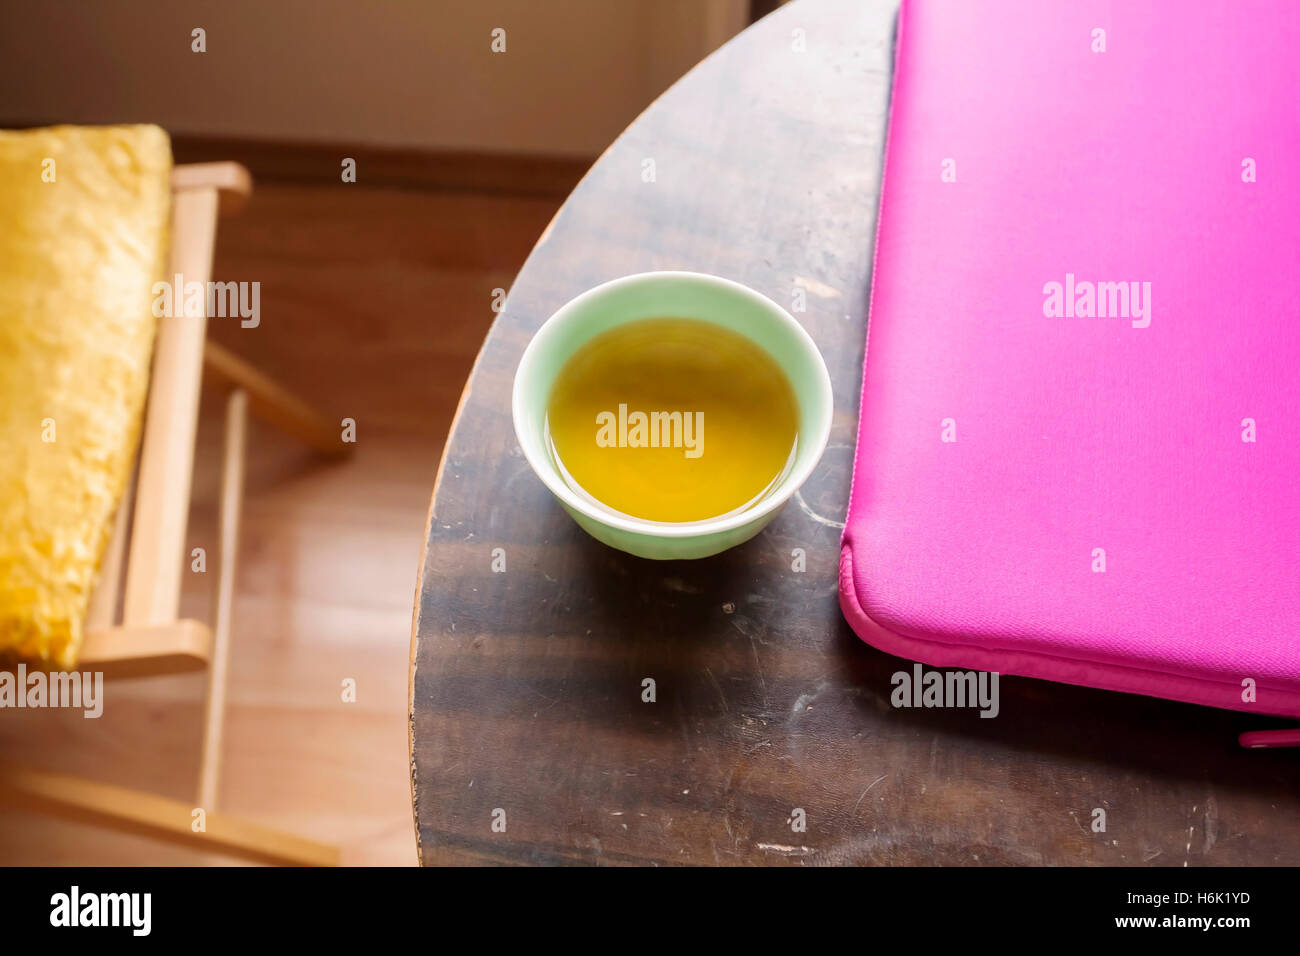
point(384, 72)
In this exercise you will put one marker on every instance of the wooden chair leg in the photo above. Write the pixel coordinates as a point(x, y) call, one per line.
point(147, 814)
point(273, 403)
point(153, 571)
point(232, 493)
point(229, 510)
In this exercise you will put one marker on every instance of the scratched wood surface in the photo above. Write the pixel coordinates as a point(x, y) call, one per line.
point(526, 689)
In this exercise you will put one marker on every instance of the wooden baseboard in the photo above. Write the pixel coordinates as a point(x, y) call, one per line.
point(501, 173)
point(514, 174)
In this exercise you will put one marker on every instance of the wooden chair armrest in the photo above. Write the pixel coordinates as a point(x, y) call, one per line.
point(232, 182)
point(121, 652)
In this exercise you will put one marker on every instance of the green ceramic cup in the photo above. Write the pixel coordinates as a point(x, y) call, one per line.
point(687, 295)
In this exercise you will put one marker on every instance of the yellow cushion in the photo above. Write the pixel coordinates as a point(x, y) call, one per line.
point(83, 237)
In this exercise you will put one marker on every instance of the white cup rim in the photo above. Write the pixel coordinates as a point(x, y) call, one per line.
point(544, 468)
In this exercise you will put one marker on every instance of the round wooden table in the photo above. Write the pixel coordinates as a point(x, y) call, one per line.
point(770, 738)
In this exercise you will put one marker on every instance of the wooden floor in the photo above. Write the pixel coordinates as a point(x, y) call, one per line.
point(373, 306)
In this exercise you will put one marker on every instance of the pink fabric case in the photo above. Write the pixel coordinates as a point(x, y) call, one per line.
point(1125, 433)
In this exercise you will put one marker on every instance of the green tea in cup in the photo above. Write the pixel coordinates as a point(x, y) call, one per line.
point(672, 420)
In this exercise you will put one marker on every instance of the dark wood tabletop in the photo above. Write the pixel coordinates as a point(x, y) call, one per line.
point(531, 738)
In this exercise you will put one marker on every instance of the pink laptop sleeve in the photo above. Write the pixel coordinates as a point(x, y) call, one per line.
point(1079, 447)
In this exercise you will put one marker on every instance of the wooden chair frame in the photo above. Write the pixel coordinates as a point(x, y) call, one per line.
point(148, 637)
